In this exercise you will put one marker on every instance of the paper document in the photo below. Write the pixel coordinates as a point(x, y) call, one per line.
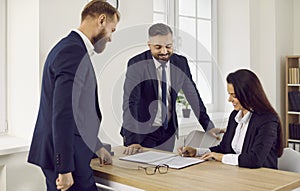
point(156, 158)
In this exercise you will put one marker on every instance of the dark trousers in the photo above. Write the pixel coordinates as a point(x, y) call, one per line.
point(83, 174)
point(161, 139)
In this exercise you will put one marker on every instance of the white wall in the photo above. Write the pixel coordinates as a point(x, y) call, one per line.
point(23, 91)
point(2, 66)
point(257, 35)
point(56, 19)
point(233, 41)
point(296, 25)
point(284, 28)
point(262, 21)
point(22, 66)
point(233, 35)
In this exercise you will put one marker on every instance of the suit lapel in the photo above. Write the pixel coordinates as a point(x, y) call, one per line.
point(151, 71)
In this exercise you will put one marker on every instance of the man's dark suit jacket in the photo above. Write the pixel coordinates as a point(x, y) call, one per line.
point(69, 114)
point(260, 144)
point(141, 95)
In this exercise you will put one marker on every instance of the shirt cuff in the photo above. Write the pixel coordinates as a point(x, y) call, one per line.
point(231, 159)
point(201, 151)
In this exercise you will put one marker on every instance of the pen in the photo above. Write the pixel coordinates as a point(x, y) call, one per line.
point(185, 152)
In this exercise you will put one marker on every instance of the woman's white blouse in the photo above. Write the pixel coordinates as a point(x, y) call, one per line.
point(238, 139)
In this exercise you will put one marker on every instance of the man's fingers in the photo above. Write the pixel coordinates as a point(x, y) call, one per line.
point(135, 150)
point(140, 149)
point(65, 189)
point(129, 150)
point(101, 161)
point(132, 150)
point(107, 160)
point(62, 187)
point(59, 187)
point(125, 151)
point(223, 130)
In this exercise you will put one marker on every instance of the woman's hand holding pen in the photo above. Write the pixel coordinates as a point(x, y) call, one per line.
point(187, 151)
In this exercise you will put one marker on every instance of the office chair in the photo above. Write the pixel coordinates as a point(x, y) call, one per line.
point(289, 161)
point(201, 139)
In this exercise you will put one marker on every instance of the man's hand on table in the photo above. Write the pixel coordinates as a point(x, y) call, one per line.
point(104, 156)
point(132, 149)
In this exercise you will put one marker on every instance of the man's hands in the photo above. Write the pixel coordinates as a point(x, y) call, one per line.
point(104, 156)
point(132, 149)
point(64, 181)
point(216, 131)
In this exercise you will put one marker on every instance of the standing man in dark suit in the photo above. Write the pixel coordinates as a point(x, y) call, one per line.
point(152, 82)
point(65, 136)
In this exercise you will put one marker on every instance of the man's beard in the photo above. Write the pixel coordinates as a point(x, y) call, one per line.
point(100, 41)
point(163, 60)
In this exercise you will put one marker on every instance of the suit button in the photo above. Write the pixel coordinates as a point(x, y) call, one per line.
point(58, 159)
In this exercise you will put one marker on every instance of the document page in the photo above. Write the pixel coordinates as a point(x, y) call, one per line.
point(148, 157)
point(178, 162)
point(156, 158)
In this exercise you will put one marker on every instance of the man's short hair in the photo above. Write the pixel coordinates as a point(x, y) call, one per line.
point(98, 7)
point(159, 29)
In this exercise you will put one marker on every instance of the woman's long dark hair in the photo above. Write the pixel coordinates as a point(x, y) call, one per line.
point(250, 93)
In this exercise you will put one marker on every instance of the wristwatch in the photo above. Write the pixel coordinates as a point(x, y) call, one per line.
point(114, 3)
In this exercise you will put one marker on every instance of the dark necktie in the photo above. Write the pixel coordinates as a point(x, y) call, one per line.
point(164, 116)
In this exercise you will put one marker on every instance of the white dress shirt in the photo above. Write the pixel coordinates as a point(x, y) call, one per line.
point(158, 119)
point(238, 139)
point(89, 46)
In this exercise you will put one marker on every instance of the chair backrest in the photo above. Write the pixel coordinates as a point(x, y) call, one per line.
point(201, 139)
point(289, 161)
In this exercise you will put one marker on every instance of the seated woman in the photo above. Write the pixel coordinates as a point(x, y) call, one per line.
point(254, 133)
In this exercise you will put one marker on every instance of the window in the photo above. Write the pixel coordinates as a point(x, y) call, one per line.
point(194, 23)
point(160, 11)
point(3, 67)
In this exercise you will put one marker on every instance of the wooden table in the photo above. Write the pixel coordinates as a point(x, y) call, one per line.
point(209, 175)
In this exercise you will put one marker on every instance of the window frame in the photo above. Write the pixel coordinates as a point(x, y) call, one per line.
point(3, 68)
point(172, 19)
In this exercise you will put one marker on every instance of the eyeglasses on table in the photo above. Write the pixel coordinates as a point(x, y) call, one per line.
point(150, 170)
